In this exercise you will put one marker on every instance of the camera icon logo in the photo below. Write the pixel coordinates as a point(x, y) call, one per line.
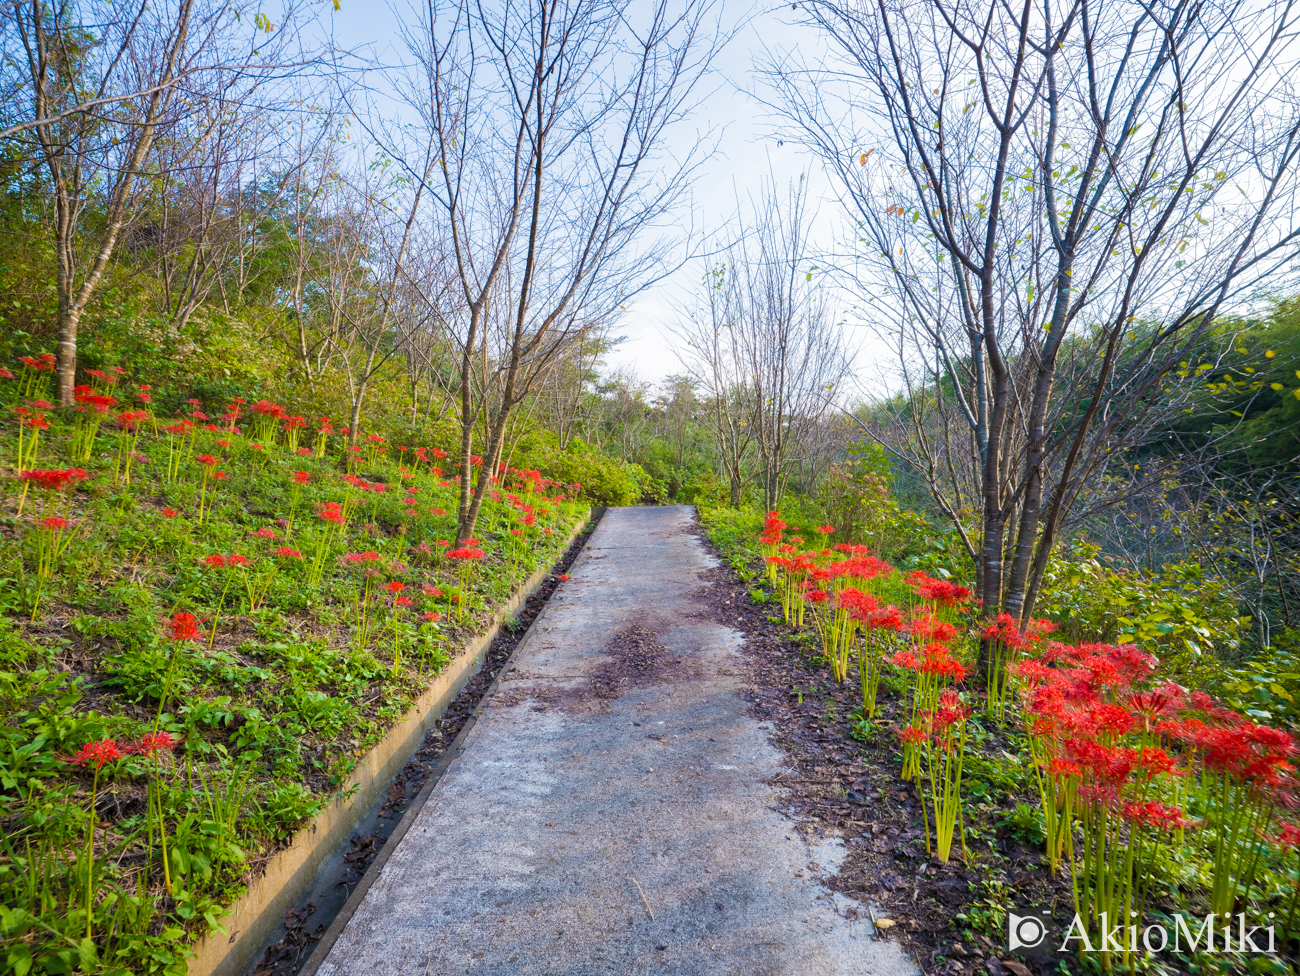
point(1027, 934)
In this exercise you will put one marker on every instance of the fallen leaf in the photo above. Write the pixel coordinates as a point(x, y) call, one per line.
point(885, 923)
point(1018, 968)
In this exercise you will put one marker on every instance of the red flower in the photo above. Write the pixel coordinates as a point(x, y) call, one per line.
point(826, 529)
point(286, 552)
point(359, 557)
point(432, 616)
point(265, 533)
point(401, 601)
point(54, 522)
point(301, 477)
point(150, 744)
point(887, 618)
point(54, 479)
point(396, 587)
point(219, 475)
point(169, 513)
point(207, 460)
point(330, 512)
point(1289, 838)
point(1156, 815)
point(564, 576)
point(215, 561)
point(184, 626)
point(96, 754)
point(911, 735)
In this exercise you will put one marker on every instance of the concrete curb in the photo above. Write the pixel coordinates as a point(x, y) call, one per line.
point(291, 872)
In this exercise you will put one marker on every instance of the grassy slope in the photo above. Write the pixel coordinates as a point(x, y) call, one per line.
point(271, 718)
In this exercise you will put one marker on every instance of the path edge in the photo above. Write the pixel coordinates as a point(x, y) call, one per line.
point(291, 872)
point(331, 935)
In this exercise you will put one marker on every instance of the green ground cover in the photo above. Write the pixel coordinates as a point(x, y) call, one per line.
point(206, 621)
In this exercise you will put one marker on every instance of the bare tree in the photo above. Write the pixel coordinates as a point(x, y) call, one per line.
point(771, 354)
point(712, 355)
point(1053, 203)
point(230, 176)
point(374, 303)
point(792, 347)
point(95, 86)
point(548, 120)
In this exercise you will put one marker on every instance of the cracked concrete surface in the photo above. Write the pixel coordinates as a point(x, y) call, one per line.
point(583, 835)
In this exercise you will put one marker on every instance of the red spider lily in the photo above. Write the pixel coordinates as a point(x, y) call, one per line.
point(301, 477)
point(943, 743)
point(51, 542)
point(1003, 629)
point(168, 513)
point(286, 553)
point(150, 744)
point(208, 464)
point(232, 561)
point(929, 627)
point(93, 754)
point(96, 754)
point(396, 586)
point(331, 512)
point(401, 601)
point(265, 533)
point(564, 576)
point(432, 616)
point(911, 735)
point(94, 403)
point(54, 479)
point(906, 659)
point(464, 556)
point(130, 419)
point(359, 557)
point(183, 626)
point(826, 529)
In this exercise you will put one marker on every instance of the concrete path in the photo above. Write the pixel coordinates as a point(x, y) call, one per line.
point(601, 789)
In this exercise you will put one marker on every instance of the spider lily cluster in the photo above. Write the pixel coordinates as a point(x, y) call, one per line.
point(1128, 765)
point(239, 530)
